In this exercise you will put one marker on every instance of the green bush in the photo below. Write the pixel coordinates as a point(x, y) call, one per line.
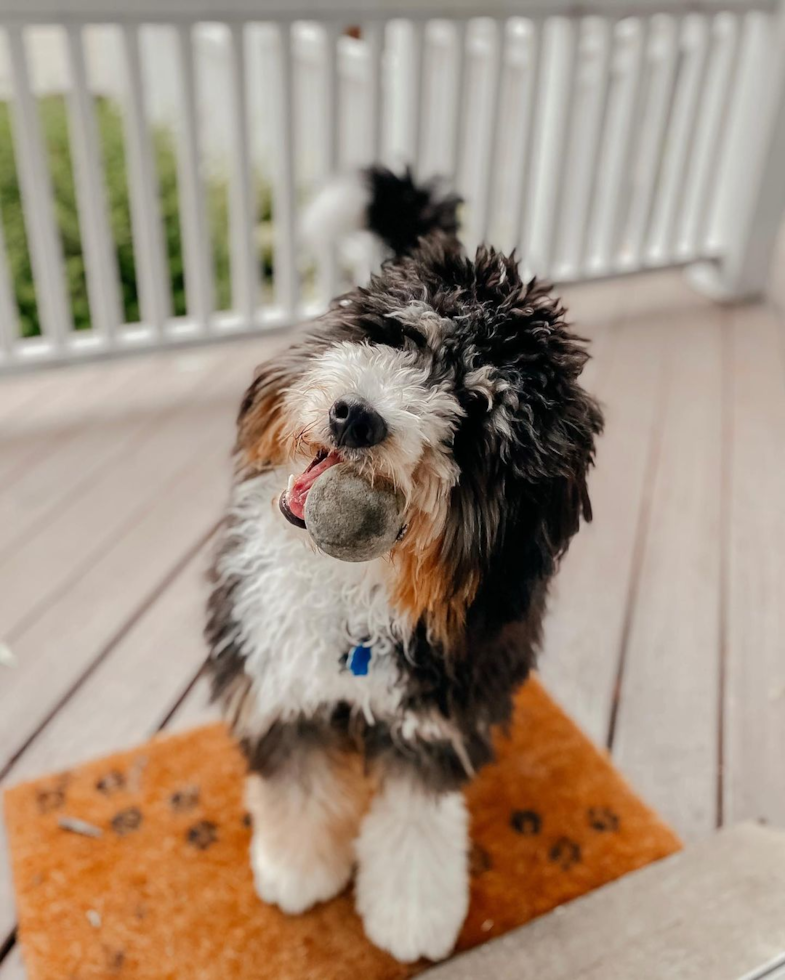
point(54, 120)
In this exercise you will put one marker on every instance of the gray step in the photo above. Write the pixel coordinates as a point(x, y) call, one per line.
point(716, 911)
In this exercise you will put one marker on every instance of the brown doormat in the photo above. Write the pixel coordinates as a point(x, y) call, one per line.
point(162, 889)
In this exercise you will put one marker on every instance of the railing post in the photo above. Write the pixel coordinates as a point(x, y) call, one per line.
point(752, 198)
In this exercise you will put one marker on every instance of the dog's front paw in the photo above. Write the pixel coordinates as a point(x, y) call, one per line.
point(295, 885)
point(412, 888)
point(408, 926)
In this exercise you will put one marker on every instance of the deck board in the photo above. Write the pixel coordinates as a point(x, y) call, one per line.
point(195, 708)
point(56, 398)
point(86, 524)
point(666, 735)
point(754, 728)
point(12, 967)
point(18, 394)
point(71, 453)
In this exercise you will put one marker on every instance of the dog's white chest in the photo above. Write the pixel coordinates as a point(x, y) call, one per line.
point(302, 613)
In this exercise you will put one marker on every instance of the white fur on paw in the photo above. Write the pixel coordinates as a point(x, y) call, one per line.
point(295, 888)
point(413, 881)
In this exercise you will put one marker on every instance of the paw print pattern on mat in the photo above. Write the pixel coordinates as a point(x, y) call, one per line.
point(184, 799)
point(603, 819)
point(127, 821)
point(115, 959)
point(112, 782)
point(526, 822)
point(566, 853)
point(51, 799)
point(202, 835)
point(479, 860)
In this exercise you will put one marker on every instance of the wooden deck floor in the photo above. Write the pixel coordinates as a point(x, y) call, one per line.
point(666, 639)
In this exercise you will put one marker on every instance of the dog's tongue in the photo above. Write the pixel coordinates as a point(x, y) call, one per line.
point(298, 491)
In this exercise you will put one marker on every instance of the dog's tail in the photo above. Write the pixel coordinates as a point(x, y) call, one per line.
point(395, 209)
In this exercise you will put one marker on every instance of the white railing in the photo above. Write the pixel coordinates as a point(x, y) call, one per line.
point(598, 138)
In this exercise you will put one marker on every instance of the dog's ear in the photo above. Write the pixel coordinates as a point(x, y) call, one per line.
point(260, 419)
point(564, 498)
point(261, 423)
point(524, 518)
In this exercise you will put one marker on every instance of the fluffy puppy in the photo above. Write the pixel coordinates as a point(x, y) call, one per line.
point(460, 383)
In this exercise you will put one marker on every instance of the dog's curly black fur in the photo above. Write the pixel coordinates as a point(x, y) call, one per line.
point(403, 213)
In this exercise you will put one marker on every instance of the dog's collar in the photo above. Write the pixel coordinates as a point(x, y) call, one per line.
point(358, 660)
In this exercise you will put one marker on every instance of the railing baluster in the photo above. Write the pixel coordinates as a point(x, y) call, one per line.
point(458, 107)
point(556, 204)
point(149, 253)
point(614, 162)
point(484, 202)
point(533, 102)
point(674, 218)
point(100, 264)
point(597, 125)
point(632, 136)
point(285, 266)
point(718, 126)
point(374, 35)
point(242, 199)
point(199, 288)
point(46, 252)
point(9, 313)
point(659, 123)
point(416, 93)
point(331, 95)
point(328, 265)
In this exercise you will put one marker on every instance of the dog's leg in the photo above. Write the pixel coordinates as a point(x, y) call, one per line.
point(413, 878)
point(305, 819)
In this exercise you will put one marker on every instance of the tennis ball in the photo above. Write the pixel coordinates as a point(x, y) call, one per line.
point(350, 519)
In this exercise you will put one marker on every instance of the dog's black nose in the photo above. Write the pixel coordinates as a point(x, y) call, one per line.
point(355, 424)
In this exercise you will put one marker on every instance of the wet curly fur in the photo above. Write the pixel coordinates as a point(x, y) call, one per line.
point(492, 437)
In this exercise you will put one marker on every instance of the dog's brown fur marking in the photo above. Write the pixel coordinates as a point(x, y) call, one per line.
point(261, 441)
point(423, 586)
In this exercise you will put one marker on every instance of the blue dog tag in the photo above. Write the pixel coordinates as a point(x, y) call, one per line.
point(359, 659)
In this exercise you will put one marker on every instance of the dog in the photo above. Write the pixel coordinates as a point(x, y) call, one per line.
point(458, 382)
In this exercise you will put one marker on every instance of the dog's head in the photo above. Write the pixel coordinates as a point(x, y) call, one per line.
point(459, 383)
